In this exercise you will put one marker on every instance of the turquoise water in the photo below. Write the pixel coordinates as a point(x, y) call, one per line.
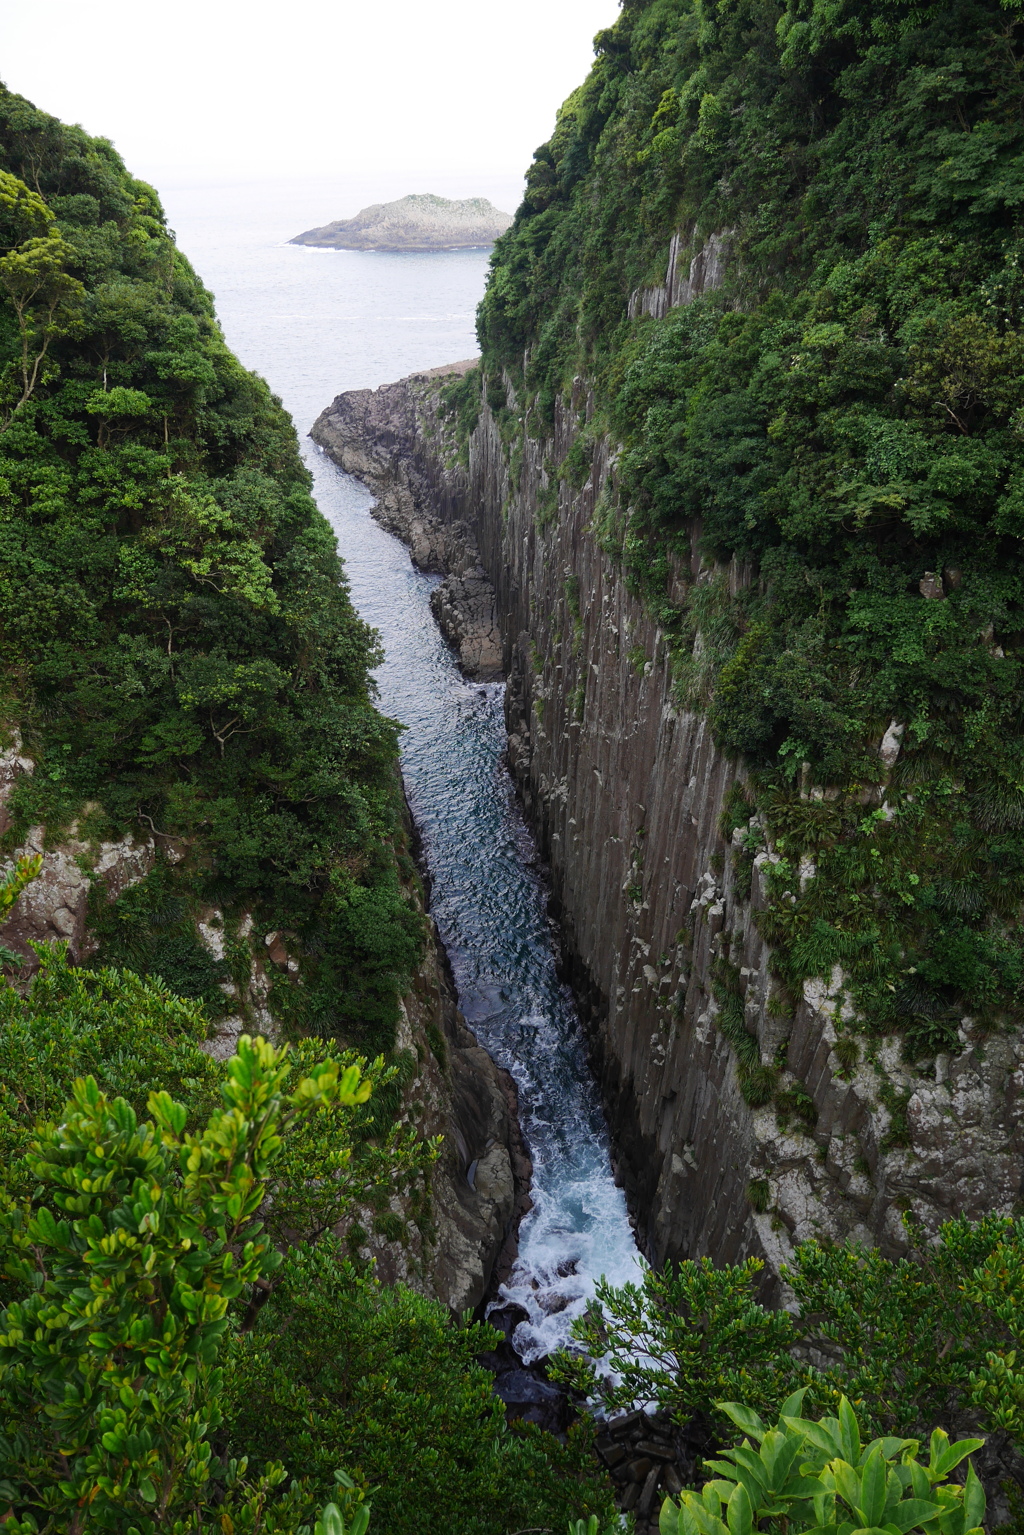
point(315, 323)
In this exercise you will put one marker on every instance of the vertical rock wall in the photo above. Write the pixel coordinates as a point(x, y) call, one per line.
point(626, 794)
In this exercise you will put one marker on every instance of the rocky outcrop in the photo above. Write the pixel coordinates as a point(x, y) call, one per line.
point(420, 222)
point(54, 907)
point(626, 791)
point(393, 439)
point(480, 1184)
point(685, 279)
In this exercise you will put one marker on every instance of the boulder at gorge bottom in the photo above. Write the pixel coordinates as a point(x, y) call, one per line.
point(419, 222)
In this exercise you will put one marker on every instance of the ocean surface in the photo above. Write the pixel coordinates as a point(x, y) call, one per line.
point(315, 323)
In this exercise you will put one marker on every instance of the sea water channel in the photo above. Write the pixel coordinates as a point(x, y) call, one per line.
point(315, 323)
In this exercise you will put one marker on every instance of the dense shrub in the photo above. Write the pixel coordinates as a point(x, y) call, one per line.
point(915, 1341)
point(128, 1254)
point(158, 1361)
point(341, 1370)
point(176, 635)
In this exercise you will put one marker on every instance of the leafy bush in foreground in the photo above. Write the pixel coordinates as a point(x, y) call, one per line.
point(153, 1345)
point(913, 1341)
point(341, 1370)
point(138, 1239)
point(821, 1478)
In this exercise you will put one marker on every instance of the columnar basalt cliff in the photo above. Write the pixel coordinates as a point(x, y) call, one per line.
point(480, 1184)
point(743, 463)
point(657, 894)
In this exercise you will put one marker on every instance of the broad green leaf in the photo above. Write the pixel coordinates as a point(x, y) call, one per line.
point(330, 1521)
point(669, 1520)
point(687, 1521)
point(746, 1420)
point(951, 1457)
point(873, 1488)
point(850, 1430)
point(816, 1434)
point(848, 1485)
point(782, 1465)
point(920, 1481)
point(740, 1513)
point(974, 1499)
point(914, 1511)
point(793, 1406)
point(722, 1468)
point(753, 1464)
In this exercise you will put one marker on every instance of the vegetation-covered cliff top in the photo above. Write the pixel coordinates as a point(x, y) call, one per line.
point(178, 646)
point(843, 416)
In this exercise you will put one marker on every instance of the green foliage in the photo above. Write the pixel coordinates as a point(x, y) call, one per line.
point(759, 1194)
point(166, 1235)
point(332, 1522)
point(130, 1035)
point(683, 1337)
point(133, 1246)
point(25, 870)
point(177, 636)
point(461, 403)
point(997, 1384)
point(914, 1341)
point(820, 1477)
point(340, 1368)
point(134, 1038)
point(844, 415)
point(150, 929)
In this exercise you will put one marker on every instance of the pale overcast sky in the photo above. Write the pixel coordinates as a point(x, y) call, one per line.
point(221, 89)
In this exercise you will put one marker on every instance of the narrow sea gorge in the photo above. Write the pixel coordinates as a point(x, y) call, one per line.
point(315, 323)
point(700, 657)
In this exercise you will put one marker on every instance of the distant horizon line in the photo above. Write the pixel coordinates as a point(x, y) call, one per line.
point(213, 177)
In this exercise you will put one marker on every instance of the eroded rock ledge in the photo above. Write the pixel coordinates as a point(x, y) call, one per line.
point(391, 438)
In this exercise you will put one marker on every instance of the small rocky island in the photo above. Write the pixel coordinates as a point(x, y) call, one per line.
point(420, 222)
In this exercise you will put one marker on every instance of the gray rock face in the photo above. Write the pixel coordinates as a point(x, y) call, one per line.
point(54, 906)
point(480, 1184)
point(420, 222)
point(392, 439)
point(684, 281)
point(625, 791)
